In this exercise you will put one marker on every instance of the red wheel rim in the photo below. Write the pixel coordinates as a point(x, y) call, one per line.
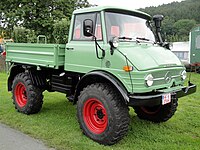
point(20, 94)
point(95, 116)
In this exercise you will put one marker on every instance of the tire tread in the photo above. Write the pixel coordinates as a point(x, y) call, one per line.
point(120, 111)
point(35, 96)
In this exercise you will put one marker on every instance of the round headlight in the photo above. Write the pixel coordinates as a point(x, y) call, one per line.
point(183, 74)
point(149, 80)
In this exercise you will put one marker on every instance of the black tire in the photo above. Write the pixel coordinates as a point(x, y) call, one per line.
point(102, 114)
point(27, 98)
point(159, 113)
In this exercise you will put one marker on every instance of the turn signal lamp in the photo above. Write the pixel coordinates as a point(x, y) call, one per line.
point(128, 68)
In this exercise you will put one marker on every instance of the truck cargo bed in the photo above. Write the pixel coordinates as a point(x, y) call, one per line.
point(46, 55)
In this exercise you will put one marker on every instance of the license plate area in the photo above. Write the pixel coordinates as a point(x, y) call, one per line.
point(166, 98)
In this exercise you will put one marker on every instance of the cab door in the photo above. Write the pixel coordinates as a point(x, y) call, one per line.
point(80, 53)
point(195, 45)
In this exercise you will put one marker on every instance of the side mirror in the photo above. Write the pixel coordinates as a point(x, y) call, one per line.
point(157, 20)
point(114, 42)
point(88, 27)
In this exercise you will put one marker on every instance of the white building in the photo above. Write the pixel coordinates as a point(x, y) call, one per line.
point(182, 51)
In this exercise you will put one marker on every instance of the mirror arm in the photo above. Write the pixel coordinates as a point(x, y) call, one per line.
point(111, 50)
point(98, 46)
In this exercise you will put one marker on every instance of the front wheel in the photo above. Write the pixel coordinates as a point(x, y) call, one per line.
point(158, 113)
point(102, 114)
point(26, 97)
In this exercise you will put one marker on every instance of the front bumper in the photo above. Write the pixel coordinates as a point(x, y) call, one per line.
point(153, 99)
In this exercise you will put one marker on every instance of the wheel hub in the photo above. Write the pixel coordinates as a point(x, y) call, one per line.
point(100, 113)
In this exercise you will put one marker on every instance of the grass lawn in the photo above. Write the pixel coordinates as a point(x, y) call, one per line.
point(56, 124)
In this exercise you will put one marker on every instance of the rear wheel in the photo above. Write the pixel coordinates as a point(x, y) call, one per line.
point(158, 113)
point(102, 114)
point(26, 97)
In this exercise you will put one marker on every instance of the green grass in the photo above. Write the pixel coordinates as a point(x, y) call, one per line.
point(56, 124)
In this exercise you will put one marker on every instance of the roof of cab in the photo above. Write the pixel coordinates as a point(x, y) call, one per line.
point(114, 8)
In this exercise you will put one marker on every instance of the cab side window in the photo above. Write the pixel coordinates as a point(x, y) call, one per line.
point(78, 27)
point(98, 29)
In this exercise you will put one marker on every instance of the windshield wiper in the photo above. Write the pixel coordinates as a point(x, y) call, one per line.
point(137, 39)
point(143, 39)
point(125, 38)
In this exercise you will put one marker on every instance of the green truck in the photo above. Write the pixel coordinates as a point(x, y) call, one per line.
point(113, 61)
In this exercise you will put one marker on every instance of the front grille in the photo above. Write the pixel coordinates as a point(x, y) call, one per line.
point(172, 76)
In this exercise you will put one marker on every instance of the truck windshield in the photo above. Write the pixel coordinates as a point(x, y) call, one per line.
point(128, 27)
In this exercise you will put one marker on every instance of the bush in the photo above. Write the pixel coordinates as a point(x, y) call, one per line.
point(60, 31)
point(23, 35)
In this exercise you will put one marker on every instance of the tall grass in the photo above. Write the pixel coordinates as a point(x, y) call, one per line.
point(57, 126)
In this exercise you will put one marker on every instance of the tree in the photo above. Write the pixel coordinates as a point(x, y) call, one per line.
point(60, 31)
point(182, 28)
point(82, 4)
point(167, 28)
point(188, 9)
point(37, 15)
point(23, 35)
point(41, 15)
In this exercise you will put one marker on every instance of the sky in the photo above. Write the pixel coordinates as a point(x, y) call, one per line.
point(133, 4)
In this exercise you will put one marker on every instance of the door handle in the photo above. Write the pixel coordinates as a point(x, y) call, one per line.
point(70, 48)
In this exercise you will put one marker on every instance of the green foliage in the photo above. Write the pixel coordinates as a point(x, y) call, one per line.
point(23, 35)
point(81, 4)
point(41, 15)
point(37, 15)
point(180, 18)
point(61, 30)
point(57, 124)
point(182, 28)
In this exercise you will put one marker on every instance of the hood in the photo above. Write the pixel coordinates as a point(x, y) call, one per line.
point(147, 56)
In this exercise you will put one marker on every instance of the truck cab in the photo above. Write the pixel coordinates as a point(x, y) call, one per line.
point(138, 61)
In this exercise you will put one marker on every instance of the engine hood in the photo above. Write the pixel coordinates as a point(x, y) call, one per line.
point(148, 56)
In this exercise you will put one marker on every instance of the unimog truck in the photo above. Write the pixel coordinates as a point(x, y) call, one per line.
point(113, 61)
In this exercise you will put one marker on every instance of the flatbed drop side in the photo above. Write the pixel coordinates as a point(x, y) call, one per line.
point(44, 55)
point(112, 60)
